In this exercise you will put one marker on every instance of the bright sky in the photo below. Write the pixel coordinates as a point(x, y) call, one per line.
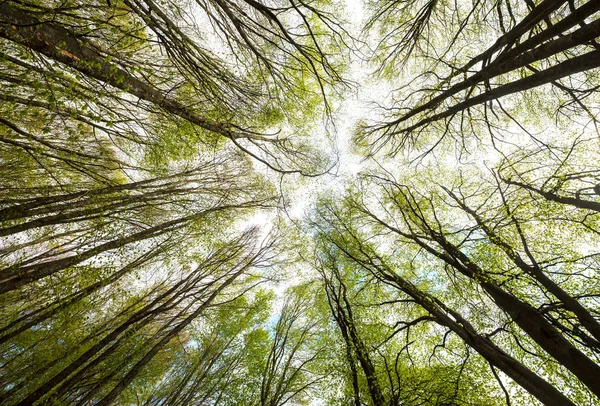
point(301, 192)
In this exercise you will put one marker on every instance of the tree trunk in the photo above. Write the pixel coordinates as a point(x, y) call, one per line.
point(135, 370)
point(59, 44)
point(16, 276)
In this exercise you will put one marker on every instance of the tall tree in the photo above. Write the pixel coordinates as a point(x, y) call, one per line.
point(141, 143)
point(251, 30)
point(415, 223)
point(464, 80)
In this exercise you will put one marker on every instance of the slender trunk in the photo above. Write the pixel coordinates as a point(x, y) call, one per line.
point(507, 64)
point(86, 213)
point(569, 67)
point(135, 370)
point(140, 318)
point(79, 200)
point(332, 300)
point(16, 276)
point(28, 207)
point(54, 308)
point(342, 313)
point(364, 358)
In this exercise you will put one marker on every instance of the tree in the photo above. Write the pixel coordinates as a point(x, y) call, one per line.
point(97, 371)
point(151, 251)
point(118, 176)
point(454, 92)
point(341, 231)
point(250, 28)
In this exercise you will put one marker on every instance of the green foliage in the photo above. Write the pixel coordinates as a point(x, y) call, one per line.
point(152, 154)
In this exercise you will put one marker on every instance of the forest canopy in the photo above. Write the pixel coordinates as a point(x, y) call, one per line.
point(299, 202)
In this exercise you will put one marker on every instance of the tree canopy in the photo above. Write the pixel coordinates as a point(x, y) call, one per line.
point(299, 202)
